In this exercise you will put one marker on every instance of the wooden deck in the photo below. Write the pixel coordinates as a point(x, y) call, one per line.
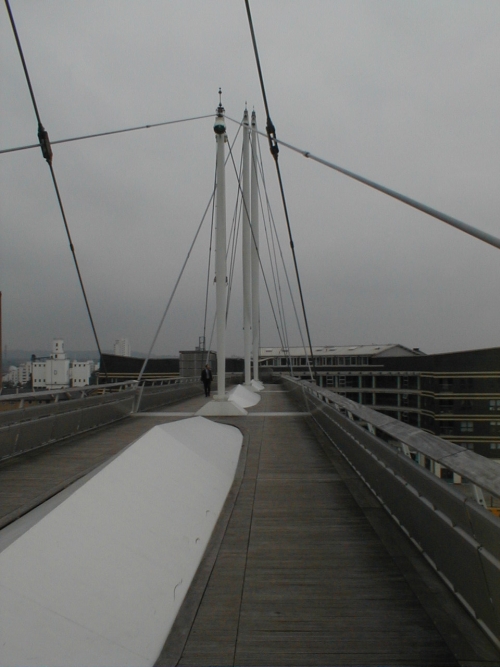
point(304, 566)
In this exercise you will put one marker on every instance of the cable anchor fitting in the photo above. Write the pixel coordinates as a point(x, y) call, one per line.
point(273, 141)
point(43, 138)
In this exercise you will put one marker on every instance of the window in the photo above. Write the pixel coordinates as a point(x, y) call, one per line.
point(446, 428)
point(445, 384)
point(303, 361)
point(283, 361)
point(466, 427)
point(445, 406)
point(495, 405)
point(341, 361)
point(494, 427)
point(494, 445)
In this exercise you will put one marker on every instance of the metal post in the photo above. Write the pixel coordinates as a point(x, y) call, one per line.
point(254, 221)
point(220, 260)
point(246, 252)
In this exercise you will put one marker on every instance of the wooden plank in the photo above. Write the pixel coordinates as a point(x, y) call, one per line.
point(317, 586)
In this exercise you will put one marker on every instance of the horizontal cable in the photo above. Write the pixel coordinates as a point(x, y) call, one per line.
point(105, 134)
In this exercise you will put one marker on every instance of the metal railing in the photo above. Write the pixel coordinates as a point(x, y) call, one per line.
point(32, 420)
point(36, 419)
point(458, 536)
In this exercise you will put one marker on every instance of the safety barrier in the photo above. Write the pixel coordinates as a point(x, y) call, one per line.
point(455, 533)
point(32, 420)
point(175, 390)
point(40, 418)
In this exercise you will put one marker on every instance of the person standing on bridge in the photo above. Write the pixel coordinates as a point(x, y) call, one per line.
point(206, 378)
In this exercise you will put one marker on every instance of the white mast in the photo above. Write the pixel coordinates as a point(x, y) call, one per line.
point(220, 249)
point(246, 251)
point(254, 221)
point(221, 406)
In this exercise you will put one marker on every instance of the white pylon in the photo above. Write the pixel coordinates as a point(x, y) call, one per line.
point(221, 406)
point(220, 249)
point(247, 252)
point(254, 222)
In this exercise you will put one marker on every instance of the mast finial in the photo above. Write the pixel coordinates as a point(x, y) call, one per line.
point(220, 125)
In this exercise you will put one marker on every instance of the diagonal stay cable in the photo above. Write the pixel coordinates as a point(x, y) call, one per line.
point(257, 156)
point(108, 133)
point(175, 289)
point(212, 197)
point(434, 213)
point(258, 254)
point(209, 261)
point(47, 154)
point(274, 148)
point(448, 219)
point(273, 236)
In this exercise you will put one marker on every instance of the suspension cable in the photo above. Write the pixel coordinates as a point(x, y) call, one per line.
point(434, 213)
point(275, 235)
point(279, 298)
point(274, 268)
point(273, 147)
point(47, 154)
point(175, 289)
point(106, 134)
point(258, 255)
point(209, 260)
point(233, 243)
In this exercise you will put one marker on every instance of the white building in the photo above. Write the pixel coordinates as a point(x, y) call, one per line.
point(58, 372)
point(122, 347)
point(80, 373)
point(18, 375)
point(52, 373)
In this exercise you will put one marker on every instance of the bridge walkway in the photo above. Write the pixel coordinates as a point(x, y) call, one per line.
point(304, 566)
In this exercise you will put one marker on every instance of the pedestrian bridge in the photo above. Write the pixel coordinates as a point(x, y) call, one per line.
point(337, 543)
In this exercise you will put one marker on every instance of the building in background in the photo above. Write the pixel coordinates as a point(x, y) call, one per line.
point(121, 348)
point(18, 375)
point(454, 395)
point(52, 373)
point(58, 372)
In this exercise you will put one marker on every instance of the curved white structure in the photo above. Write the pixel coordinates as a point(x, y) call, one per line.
point(96, 577)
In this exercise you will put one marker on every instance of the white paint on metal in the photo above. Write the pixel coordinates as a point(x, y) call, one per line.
point(254, 222)
point(246, 251)
point(98, 580)
point(257, 386)
point(244, 397)
point(220, 258)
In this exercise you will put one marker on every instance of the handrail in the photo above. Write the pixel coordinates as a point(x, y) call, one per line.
point(464, 462)
point(69, 392)
point(456, 533)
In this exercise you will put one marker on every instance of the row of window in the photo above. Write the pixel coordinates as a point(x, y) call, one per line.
point(319, 361)
point(446, 428)
point(470, 445)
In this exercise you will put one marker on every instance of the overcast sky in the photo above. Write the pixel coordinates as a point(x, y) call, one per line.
point(405, 93)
